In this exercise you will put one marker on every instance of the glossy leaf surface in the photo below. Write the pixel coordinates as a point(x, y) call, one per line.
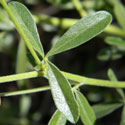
point(85, 29)
point(57, 119)
point(62, 93)
point(26, 25)
point(86, 112)
point(102, 110)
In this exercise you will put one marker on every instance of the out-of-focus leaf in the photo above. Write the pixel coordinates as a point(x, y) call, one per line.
point(64, 4)
point(33, 2)
point(2, 34)
point(21, 66)
point(25, 103)
point(109, 53)
point(86, 112)
point(21, 63)
point(62, 93)
point(112, 77)
point(116, 41)
point(48, 27)
point(95, 4)
point(5, 22)
point(6, 41)
point(27, 25)
point(84, 30)
point(21, 58)
point(102, 110)
point(57, 119)
point(122, 122)
point(119, 10)
point(94, 97)
point(5, 26)
point(111, 2)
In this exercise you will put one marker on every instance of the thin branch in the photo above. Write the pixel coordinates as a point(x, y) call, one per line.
point(22, 92)
point(20, 76)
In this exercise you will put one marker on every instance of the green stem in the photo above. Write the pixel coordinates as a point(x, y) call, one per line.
point(78, 7)
point(20, 31)
point(22, 92)
point(95, 82)
point(62, 22)
point(67, 22)
point(20, 76)
point(81, 80)
point(112, 29)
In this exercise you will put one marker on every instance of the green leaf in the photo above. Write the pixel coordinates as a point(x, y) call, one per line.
point(122, 122)
point(102, 110)
point(62, 93)
point(120, 13)
point(85, 29)
point(26, 25)
point(25, 103)
point(21, 62)
point(86, 112)
point(21, 67)
point(5, 22)
point(112, 77)
point(116, 41)
point(21, 58)
point(57, 119)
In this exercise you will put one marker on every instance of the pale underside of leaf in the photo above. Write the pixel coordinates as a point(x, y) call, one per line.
point(62, 94)
point(26, 25)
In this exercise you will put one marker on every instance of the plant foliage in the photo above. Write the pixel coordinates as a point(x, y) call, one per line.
point(71, 104)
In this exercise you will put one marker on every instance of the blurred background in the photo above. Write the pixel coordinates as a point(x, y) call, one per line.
point(92, 59)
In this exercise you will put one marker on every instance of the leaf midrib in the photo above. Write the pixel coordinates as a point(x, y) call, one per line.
point(63, 95)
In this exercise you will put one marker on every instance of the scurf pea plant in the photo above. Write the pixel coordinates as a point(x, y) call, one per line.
point(70, 102)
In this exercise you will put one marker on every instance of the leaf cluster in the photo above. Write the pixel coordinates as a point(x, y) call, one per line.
point(71, 104)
